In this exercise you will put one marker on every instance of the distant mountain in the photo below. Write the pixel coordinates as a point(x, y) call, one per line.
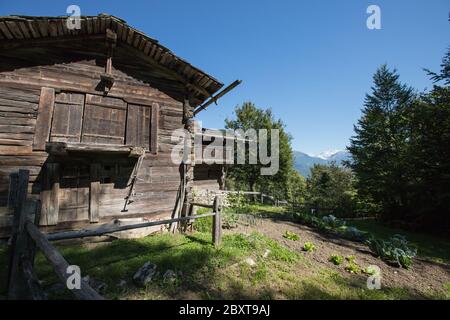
point(304, 162)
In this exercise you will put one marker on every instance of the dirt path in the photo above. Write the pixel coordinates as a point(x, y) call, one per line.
point(424, 276)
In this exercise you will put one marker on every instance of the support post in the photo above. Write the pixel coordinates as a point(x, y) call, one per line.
point(17, 286)
point(217, 221)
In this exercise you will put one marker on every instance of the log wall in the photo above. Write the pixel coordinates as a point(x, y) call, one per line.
point(74, 77)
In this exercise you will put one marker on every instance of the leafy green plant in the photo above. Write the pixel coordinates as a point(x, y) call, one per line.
point(369, 271)
point(336, 259)
point(396, 250)
point(309, 247)
point(352, 267)
point(350, 259)
point(291, 235)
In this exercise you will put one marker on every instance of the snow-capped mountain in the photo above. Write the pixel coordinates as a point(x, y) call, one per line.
point(325, 155)
point(303, 162)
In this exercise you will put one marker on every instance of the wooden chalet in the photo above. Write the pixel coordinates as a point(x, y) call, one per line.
point(90, 113)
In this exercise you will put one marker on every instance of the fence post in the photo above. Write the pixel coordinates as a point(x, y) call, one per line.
point(17, 286)
point(217, 221)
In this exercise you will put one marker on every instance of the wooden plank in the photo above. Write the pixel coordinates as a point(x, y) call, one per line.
point(50, 195)
point(94, 193)
point(154, 128)
point(59, 264)
point(44, 118)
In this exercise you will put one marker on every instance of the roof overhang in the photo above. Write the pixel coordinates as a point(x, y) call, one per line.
point(17, 31)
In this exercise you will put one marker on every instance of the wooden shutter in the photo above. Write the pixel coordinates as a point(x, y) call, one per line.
point(138, 126)
point(44, 118)
point(104, 120)
point(67, 117)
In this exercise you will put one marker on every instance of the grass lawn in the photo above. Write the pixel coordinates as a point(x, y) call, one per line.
point(246, 266)
point(428, 246)
point(205, 272)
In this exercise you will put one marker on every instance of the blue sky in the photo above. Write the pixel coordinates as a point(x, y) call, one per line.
point(310, 61)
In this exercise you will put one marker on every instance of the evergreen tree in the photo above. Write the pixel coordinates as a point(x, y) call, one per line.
point(379, 146)
point(429, 153)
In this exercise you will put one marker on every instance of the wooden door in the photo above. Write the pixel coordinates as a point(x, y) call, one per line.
point(74, 192)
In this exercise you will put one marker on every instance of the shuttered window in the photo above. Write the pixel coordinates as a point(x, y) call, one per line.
point(67, 117)
point(138, 126)
point(104, 120)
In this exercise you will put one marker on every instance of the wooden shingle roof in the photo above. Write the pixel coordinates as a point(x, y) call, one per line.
point(20, 30)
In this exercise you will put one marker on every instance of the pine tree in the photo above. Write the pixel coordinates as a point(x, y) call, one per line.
point(379, 146)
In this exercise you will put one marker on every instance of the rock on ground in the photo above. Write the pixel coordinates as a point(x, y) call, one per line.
point(145, 274)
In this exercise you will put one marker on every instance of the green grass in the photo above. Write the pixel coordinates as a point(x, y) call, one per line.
point(206, 272)
point(201, 267)
point(428, 246)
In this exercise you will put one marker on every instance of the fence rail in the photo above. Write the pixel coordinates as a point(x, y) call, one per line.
point(26, 238)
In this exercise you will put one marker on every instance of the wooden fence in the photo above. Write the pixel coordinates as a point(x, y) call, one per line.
point(261, 196)
point(26, 238)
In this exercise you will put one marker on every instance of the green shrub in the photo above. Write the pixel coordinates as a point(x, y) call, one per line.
point(336, 259)
point(369, 271)
point(352, 267)
point(351, 259)
point(309, 247)
point(396, 250)
point(291, 236)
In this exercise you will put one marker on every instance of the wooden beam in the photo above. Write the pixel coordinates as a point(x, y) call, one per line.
point(154, 128)
point(105, 229)
point(44, 118)
point(63, 148)
point(217, 96)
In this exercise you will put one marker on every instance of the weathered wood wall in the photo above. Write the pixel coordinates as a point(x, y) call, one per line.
point(73, 73)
